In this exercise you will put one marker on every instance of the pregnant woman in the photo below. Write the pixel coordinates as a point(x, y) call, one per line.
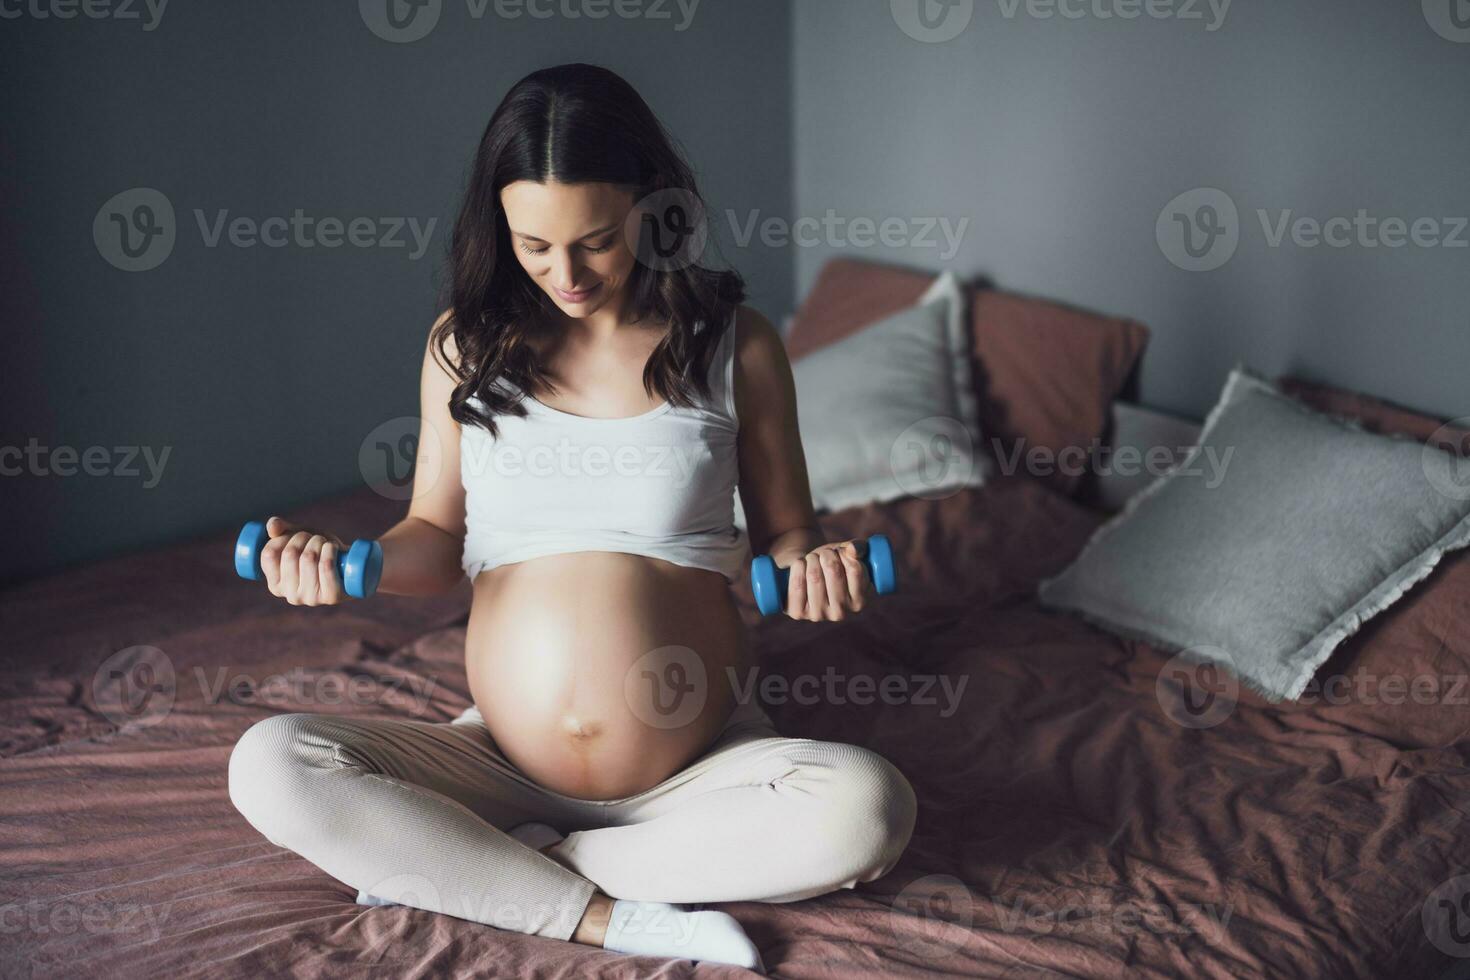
point(590, 400)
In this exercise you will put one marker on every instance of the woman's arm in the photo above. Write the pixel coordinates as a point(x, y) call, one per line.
point(827, 579)
point(421, 553)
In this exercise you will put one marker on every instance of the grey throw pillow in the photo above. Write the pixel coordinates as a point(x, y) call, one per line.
point(1277, 537)
point(890, 411)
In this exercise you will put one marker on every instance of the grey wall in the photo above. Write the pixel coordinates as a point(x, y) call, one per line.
point(260, 370)
point(1062, 140)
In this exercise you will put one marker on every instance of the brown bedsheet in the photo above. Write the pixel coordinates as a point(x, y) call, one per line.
point(1066, 825)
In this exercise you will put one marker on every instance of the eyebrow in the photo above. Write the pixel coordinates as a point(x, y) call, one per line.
point(590, 234)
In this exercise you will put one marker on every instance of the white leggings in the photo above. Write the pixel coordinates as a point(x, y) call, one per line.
point(416, 813)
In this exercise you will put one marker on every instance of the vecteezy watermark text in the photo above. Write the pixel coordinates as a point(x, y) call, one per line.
point(406, 21)
point(1211, 12)
point(306, 231)
point(139, 686)
point(668, 688)
point(148, 12)
point(66, 918)
point(34, 459)
point(1200, 230)
point(1370, 688)
point(1108, 918)
point(933, 916)
point(836, 688)
point(1209, 462)
point(937, 21)
point(565, 459)
point(299, 688)
point(837, 231)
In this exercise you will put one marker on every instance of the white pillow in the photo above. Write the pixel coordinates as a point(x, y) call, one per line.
point(890, 410)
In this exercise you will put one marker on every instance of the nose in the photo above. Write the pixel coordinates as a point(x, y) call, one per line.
point(566, 273)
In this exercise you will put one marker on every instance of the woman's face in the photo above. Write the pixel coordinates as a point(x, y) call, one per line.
point(569, 239)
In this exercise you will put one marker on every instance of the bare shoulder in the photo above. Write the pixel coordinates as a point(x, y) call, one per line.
point(759, 349)
point(438, 352)
point(764, 386)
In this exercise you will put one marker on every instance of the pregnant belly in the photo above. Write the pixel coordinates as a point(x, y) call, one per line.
point(601, 674)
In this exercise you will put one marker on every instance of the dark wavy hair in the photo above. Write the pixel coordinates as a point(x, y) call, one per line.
point(574, 124)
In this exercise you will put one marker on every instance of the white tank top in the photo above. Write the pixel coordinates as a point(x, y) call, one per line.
point(660, 484)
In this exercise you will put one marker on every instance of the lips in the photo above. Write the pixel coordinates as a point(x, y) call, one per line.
point(577, 297)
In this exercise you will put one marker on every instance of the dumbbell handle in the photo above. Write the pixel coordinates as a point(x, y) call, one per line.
point(768, 581)
point(358, 568)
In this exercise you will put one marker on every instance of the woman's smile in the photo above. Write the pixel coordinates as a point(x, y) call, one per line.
point(581, 296)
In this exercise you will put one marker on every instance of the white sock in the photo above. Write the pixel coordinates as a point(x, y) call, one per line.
point(660, 929)
point(363, 898)
point(652, 928)
point(533, 835)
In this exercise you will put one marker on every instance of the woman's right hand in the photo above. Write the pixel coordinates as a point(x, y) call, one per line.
point(300, 565)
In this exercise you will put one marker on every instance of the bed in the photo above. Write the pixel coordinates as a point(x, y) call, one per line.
point(1067, 825)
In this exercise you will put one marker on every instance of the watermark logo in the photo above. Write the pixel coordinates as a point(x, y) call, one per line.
point(667, 230)
point(1446, 459)
point(1450, 19)
point(135, 687)
point(400, 21)
point(135, 230)
point(1199, 230)
point(397, 454)
point(1445, 916)
point(932, 21)
point(140, 686)
point(1195, 690)
point(667, 687)
point(932, 916)
point(934, 458)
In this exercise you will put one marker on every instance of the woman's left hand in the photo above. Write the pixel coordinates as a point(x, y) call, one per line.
point(828, 582)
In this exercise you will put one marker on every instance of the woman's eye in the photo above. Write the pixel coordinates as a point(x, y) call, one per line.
point(597, 250)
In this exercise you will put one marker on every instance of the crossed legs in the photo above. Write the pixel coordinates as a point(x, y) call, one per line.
point(417, 813)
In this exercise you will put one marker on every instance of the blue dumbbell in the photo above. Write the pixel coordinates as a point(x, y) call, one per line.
point(359, 567)
point(768, 581)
